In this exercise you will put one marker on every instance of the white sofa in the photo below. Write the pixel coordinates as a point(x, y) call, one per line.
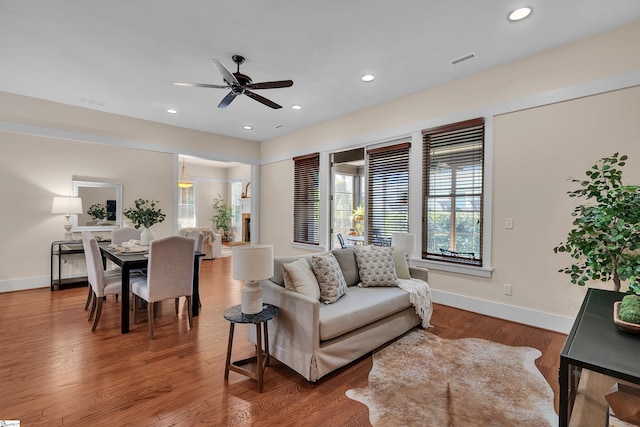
point(315, 338)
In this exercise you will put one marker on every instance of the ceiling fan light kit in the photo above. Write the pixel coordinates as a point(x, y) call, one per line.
point(239, 84)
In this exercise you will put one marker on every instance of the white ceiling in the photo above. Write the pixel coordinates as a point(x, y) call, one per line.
point(120, 56)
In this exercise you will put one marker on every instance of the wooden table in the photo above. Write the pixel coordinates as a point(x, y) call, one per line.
point(133, 261)
point(234, 315)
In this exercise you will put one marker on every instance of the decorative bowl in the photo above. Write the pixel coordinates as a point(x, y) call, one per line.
point(633, 328)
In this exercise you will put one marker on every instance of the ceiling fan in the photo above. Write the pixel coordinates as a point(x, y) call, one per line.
point(239, 84)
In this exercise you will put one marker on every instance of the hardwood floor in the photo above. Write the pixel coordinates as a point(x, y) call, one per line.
point(54, 371)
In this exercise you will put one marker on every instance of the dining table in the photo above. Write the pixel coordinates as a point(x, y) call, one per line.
point(134, 260)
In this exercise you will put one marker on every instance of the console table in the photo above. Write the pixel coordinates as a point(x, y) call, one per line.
point(597, 345)
point(59, 250)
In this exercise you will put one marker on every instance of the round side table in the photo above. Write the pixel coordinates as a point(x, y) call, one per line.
point(234, 315)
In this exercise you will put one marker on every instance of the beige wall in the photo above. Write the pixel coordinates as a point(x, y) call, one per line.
point(537, 143)
point(44, 144)
point(535, 152)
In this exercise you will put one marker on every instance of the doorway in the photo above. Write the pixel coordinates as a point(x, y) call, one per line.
point(347, 197)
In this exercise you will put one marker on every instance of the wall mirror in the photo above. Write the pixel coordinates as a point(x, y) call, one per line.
point(104, 194)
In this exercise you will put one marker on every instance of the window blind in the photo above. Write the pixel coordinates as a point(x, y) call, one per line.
point(306, 199)
point(453, 172)
point(388, 193)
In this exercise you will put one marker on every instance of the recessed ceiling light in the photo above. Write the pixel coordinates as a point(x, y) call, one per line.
point(247, 127)
point(296, 107)
point(367, 78)
point(172, 111)
point(519, 14)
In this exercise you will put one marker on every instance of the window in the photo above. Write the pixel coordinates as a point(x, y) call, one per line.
point(388, 192)
point(236, 204)
point(453, 172)
point(186, 207)
point(306, 199)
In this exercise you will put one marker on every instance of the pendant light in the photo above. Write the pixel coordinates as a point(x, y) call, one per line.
point(184, 181)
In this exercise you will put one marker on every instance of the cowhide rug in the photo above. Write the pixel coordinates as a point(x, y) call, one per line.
point(424, 380)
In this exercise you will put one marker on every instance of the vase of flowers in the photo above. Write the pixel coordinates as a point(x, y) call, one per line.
point(145, 214)
point(98, 211)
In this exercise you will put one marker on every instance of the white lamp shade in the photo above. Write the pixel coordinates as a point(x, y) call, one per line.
point(406, 241)
point(252, 263)
point(66, 205)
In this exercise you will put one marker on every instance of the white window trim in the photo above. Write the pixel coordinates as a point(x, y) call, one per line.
point(415, 208)
point(452, 268)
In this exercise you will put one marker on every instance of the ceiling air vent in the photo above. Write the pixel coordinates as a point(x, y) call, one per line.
point(465, 58)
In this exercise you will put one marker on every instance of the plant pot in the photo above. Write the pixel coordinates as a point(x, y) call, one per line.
point(146, 237)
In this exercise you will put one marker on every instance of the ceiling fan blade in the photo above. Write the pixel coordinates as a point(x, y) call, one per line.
point(227, 99)
point(262, 99)
point(226, 74)
point(270, 85)
point(200, 85)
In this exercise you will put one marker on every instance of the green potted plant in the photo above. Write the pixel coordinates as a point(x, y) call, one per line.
point(98, 211)
point(222, 217)
point(145, 214)
point(605, 242)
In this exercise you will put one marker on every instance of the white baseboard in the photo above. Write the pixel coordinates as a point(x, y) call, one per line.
point(552, 322)
point(24, 284)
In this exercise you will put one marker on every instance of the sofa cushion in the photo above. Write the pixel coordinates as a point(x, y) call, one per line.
point(278, 262)
point(360, 307)
point(330, 279)
point(347, 260)
point(299, 277)
point(376, 266)
point(400, 262)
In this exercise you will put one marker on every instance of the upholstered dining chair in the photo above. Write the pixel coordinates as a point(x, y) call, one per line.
point(101, 283)
point(112, 272)
point(198, 237)
point(124, 234)
point(169, 275)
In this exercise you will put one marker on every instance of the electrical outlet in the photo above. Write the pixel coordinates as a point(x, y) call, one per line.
point(507, 289)
point(508, 223)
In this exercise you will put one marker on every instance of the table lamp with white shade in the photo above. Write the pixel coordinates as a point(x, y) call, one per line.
point(67, 206)
point(406, 241)
point(252, 264)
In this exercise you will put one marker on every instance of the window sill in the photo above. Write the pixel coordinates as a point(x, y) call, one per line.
point(307, 247)
point(453, 268)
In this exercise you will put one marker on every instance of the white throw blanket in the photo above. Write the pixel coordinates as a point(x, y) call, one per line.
point(420, 297)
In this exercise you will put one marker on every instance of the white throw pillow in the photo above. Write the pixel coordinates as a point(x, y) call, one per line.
point(400, 262)
point(299, 277)
point(376, 266)
point(330, 278)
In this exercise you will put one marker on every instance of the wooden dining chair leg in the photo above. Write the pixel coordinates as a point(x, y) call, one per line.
point(134, 308)
point(92, 309)
point(189, 315)
point(98, 313)
point(177, 304)
point(89, 294)
point(150, 311)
